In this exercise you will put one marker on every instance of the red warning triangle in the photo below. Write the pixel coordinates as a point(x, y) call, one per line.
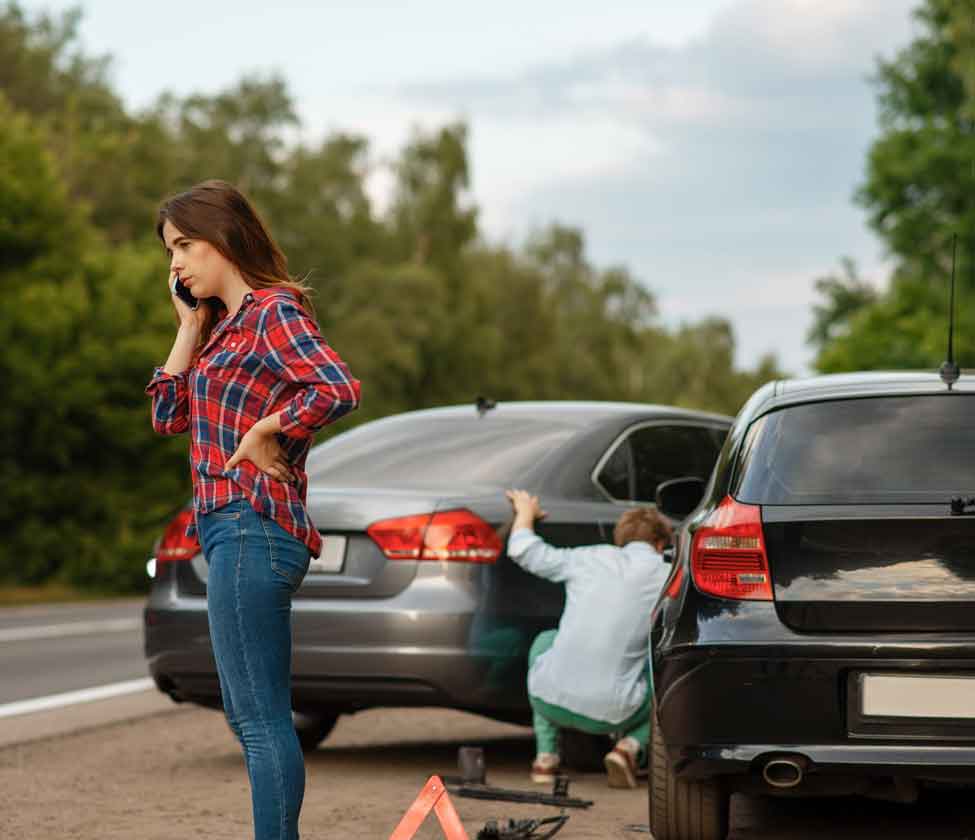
point(433, 797)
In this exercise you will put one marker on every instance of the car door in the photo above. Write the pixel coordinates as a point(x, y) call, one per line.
point(650, 453)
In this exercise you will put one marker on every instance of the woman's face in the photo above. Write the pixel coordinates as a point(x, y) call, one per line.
point(200, 266)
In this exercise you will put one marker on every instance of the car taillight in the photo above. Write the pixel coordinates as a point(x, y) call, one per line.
point(175, 545)
point(452, 535)
point(671, 591)
point(673, 588)
point(728, 556)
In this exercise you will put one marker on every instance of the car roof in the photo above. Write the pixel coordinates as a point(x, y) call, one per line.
point(837, 386)
point(572, 412)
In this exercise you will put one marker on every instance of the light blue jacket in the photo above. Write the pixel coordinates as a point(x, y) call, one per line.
point(596, 665)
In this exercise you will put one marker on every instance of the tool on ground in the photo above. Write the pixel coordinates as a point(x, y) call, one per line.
point(559, 799)
point(434, 798)
point(637, 828)
point(472, 783)
point(470, 762)
point(523, 829)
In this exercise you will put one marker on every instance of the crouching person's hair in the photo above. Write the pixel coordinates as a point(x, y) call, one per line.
point(642, 524)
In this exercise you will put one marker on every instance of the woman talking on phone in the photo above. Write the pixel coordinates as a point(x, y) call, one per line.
point(251, 378)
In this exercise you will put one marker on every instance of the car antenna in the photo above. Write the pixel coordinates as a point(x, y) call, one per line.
point(950, 372)
point(484, 405)
point(949, 368)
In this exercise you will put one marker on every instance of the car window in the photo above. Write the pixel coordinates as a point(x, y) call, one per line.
point(650, 455)
point(421, 450)
point(870, 450)
point(617, 476)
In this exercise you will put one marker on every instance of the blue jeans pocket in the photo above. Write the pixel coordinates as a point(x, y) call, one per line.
point(231, 510)
point(290, 557)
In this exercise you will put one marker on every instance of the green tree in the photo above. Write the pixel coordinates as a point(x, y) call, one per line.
point(919, 193)
point(844, 295)
point(433, 219)
point(75, 354)
point(238, 135)
point(113, 163)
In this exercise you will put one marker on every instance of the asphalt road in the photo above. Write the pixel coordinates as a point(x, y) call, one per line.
point(47, 650)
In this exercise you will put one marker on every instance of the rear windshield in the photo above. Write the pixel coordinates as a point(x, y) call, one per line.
point(874, 450)
point(437, 450)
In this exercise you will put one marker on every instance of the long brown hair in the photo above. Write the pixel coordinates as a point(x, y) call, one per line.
point(218, 213)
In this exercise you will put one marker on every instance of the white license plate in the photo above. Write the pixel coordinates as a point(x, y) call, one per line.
point(886, 695)
point(333, 556)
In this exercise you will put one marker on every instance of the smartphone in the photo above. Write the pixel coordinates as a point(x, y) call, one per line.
point(184, 294)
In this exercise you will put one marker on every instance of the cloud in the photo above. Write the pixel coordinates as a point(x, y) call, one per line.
point(721, 171)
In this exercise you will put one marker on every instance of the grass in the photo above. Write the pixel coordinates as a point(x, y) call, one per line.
point(52, 593)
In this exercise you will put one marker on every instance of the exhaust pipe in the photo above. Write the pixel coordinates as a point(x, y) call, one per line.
point(785, 771)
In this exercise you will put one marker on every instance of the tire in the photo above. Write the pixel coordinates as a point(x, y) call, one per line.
point(313, 729)
point(683, 809)
point(584, 752)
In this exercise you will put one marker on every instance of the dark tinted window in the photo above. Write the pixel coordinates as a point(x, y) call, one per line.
point(654, 454)
point(435, 450)
point(876, 450)
point(616, 476)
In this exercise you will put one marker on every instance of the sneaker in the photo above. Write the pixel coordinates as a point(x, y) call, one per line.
point(621, 767)
point(545, 768)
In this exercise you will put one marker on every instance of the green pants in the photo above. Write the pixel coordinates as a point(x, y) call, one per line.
point(549, 719)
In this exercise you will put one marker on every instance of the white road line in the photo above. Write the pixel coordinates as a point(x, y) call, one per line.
point(74, 628)
point(69, 698)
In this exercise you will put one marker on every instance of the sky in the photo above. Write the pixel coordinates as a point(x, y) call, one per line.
point(712, 147)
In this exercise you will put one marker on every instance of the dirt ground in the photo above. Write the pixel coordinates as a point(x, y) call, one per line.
point(181, 775)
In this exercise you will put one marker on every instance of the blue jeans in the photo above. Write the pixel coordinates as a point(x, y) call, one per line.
point(255, 566)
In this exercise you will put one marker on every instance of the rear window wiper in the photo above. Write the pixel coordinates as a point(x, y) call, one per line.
point(963, 507)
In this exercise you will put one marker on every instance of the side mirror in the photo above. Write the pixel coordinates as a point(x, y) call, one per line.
point(679, 496)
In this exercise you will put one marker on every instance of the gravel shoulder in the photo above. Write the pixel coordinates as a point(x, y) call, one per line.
point(179, 774)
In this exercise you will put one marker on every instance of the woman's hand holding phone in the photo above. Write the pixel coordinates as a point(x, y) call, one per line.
point(188, 334)
point(191, 317)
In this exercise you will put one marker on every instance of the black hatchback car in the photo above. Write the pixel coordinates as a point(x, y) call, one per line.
point(817, 633)
point(413, 600)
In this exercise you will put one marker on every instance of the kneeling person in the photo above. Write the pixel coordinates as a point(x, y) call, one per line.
point(593, 673)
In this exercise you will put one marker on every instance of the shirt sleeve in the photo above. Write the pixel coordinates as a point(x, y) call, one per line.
point(170, 402)
point(293, 348)
point(534, 555)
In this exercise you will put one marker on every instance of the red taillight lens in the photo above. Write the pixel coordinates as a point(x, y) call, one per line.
point(402, 538)
point(458, 536)
point(175, 545)
point(670, 593)
point(673, 588)
point(728, 556)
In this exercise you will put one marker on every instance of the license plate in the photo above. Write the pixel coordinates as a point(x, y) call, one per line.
point(887, 695)
point(333, 556)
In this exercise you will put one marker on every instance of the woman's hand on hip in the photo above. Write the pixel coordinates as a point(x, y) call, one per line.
point(262, 449)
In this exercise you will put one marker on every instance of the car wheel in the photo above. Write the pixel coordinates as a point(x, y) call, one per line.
point(313, 729)
point(584, 752)
point(683, 809)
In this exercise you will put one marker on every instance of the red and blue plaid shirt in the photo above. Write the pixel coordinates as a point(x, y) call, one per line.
point(267, 358)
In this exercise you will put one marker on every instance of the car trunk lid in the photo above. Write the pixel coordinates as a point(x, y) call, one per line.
point(351, 564)
point(872, 568)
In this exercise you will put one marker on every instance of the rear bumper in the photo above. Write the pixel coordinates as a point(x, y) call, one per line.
point(737, 688)
point(360, 654)
point(940, 762)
